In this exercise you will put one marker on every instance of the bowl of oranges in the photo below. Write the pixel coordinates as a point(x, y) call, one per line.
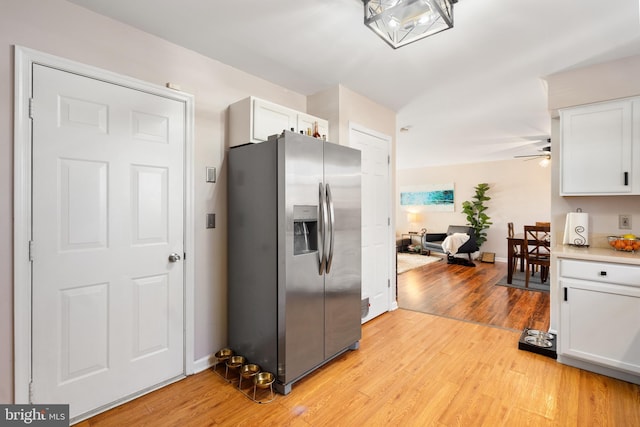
point(626, 243)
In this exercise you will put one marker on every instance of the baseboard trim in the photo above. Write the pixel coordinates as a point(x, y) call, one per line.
point(203, 363)
point(598, 369)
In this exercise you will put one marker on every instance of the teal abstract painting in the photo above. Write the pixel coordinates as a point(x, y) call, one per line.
point(439, 197)
point(433, 197)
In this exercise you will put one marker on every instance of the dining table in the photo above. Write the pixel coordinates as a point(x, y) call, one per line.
point(512, 242)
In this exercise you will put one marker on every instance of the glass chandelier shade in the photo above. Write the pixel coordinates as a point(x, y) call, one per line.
point(400, 22)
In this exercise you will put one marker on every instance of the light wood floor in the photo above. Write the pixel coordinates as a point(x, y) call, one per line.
point(412, 369)
point(470, 293)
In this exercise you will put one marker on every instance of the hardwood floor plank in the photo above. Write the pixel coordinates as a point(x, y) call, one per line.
point(414, 369)
point(470, 293)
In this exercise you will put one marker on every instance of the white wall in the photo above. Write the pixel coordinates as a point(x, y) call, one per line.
point(600, 82)
point(342, 106)
point(63, 29)
point(520, 193)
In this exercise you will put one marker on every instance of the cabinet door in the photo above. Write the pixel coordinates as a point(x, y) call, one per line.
point(270, 119)
point(600, 323)
point(323, 128)
point(595, 149)
point(307, 121)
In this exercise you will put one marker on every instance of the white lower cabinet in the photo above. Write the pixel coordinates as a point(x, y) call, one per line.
point(600, 315)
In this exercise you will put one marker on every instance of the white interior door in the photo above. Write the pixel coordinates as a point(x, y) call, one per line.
point(376, 205)
point(108, 203)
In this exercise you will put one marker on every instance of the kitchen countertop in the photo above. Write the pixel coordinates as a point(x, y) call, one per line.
point(595, 254)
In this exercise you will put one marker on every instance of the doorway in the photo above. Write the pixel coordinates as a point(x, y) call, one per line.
point(102, 296)
point(376, 219)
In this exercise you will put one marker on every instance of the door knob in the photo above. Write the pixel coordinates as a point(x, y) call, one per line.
point(174, 257)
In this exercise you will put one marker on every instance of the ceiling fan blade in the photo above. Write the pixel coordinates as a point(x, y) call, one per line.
point(533, 155)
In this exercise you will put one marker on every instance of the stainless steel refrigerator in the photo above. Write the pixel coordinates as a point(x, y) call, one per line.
point(294, 239)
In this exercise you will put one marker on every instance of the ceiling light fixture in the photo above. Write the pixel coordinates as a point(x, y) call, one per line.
point(400, 22)
point(545, 161)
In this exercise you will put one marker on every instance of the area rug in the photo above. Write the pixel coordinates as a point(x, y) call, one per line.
point(408, 262)
point(518, 282)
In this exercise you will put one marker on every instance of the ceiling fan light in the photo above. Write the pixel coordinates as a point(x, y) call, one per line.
point(400, 22)
point(545, 161)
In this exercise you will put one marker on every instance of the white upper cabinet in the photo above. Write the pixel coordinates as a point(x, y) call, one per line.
point(253, 120)
point(307, 121)
point(270, 119)
point(599, 147)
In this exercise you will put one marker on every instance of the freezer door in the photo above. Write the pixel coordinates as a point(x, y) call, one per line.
point(301, 287)
point(344, 263)
point(253, 253)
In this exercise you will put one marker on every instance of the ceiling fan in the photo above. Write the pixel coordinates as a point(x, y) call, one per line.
point(545, 153)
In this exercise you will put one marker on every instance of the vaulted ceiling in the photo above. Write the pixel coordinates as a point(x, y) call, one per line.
point(469, 94)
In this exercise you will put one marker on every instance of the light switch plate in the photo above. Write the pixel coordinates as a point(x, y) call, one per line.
point(211, 174)
point(211, 220)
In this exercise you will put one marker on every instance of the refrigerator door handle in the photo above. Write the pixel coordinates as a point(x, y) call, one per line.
point(332, 223)
point(322, 227)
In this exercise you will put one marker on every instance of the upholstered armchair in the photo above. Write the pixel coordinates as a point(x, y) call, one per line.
point(434, 241)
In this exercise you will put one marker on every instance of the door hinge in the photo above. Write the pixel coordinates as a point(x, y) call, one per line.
point(31, 108)
point(31, 250)
point(388, 283)
point(184, 256)
point(566, 294)
point(389, 221)
point(388, 159)
point(30, 391)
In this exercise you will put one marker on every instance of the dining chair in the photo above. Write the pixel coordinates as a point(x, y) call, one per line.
point(516, 249)
point(540, 224)
point(535, 246)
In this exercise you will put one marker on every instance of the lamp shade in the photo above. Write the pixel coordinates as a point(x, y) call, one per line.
point(400, 22)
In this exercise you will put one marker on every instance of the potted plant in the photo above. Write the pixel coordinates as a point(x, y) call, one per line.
point(474, 210)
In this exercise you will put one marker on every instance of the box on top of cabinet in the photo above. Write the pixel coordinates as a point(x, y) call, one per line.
point(254, 120)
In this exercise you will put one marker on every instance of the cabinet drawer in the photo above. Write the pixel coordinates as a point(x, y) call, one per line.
point(601, 272)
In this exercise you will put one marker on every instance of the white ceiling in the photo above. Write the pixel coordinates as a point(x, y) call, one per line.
point(473, 93)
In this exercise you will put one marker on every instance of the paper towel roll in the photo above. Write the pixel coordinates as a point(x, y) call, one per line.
point(576, 229)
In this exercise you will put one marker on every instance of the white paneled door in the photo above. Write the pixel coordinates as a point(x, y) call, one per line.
point(376, 205)
point(108, 184)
